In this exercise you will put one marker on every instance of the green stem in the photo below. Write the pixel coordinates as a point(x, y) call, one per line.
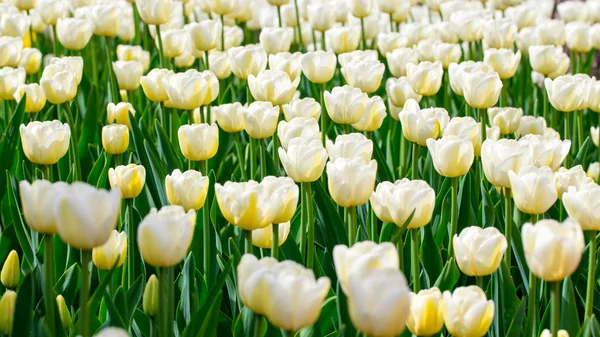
point(279, 16)
point(303, 224)
point(555, 314)
point(258, 325)
point(416, 270)
point(373, 233)
point(48, 175)
point(252, 159)
point(207, 64)
point(591, 281)
point(531, 305)
point(567, 136)
point(206, 232)
point(240, 157)
point(249, 97)
point(222, 33)
point(288, 333)
point(55, 42)
point(483, 125)
point(190, 116)
point(263, 158)
point(415, 161)
point(323, 45)
point(362, 34)
point(161, 57)
point(49, 296)
point(323, 115)
point(403, 149)
point(162, 306)
point(86, 257)
point(113, 87)
point(310, 243)
point(579, 116)
point(275, 239)
point(508, 220)
point(352, 226)
point(136, 25)
point(248, 237)
point(479, 281)
point(300, 42)
point(131, 234)
point(453, 215)
point(171, 300)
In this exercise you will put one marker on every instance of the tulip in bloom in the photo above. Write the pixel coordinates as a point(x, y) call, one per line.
point(247, 205)
point(501, 156)
point(452, 155)
point(351, 181)
point(187, 189)
point(10, 80)
point(550, 61)
point(10, 51)
point(396, 202)
point(198, 141)
point(11, 271)
point(229, 117)
point(174, 42)
point(128, 74)
point(263, 237)
point(571, 11)
point(14, 24)
point(544, 151)
point(456, 74)
point(578, 36)
point(221, 7)
point(104, 18)
point(499, 33)
point(273, 86)
point(373, 116)
point(219, 64)
point(153, 86)
point(345, 105)
point(303, 107)
point(358, 55)
point(447, 53)
point(573, 178)
point(469, 127)
point(425, 317)
point(260, 119)
point(506, 119)
point(567, 93)
point(388, 42)
point(115, 138)
point(130, 179)
point(248, 60)
point(112, 253)
point(37, 200)
point(419, 125)
point(45, 143)
point(133, 53)
point(164, 236)
point(533, 189)
point(59, 82)
point(365, 75)
point(52, 10)
point(531, 125)
point(561, 333)
point(283, 191)
point(426, 49)
point(479, 251)
point(321, 16)
point(365, 255)
point(150, 298)
point(286, 62)
point(468, 24)
point(75, 62)
point(526, 38)
point(154, 12)
point(276, 39)
point(318, 66)
point(303, 160)
point(31, 60)
point(399, 58)
point(426, 77)
point(34, 99)
point(502, 61)
point(8, 303)
point(482, 89)
point(582, 204)
point(344, 39)
point(467, 312)
point(206, 34)
point(186, 91)
point(553, 249)
point(400, 91)
point(251, 280)
point(119, 113)
point(299, 127)
point(353, 145)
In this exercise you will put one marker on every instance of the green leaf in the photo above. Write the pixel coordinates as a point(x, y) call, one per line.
point(330, 223)
point(116, 318)
point(569, 319)
point(9, 144)
point(88, 132)
point(20, 229)
point(133, 296)
point(516, 326)
point(383, 170)
point(582, 154)
point(448, 277)
point(246, 322)
point(430, 255)
point(24, 308)
point(165, 148)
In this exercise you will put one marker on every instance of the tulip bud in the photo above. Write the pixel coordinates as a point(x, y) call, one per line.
point(31, 59)
point(11, 271)
point(246, 205)
point(349, 146)
point(303, 161)
point(344, 39)
point(426, 77)
point(351, 181)
point(456, 74)
point(506, 119)
point(305, 107)
point(247, 60)
point(425, 317)
point(299, 127)
point(379, 301)
point(545, 152)
point(154, 12)
point(482, 89)
point(286, 62)
point(595, 135)
point(10, 80)
point(276, 39)
point(158, 249)
point(273, 86)
point(45, 142)
point(467, 312)
point(263, 237)
point(561, 333)
point(219, 64)
point(119, 113)
point(174, 42)
point(399, 58)
point(63, 311)
point(365, 75)
point(153, 86)
point(128, 74)
point(419, 125)
point(548, 60)
point(400, 91)
point(479, 251)
point(251, 274)
point(594, 171)
point(452, 155)
point(85, 216)
point(198, 141)
point(187, 189)
point(373, 116)
point(112, 253)
point(129, 179)
point(260, 119)
point(52, 10)
point(10, 51)
point(387, 42)
point(205, 35)
point(563, 241)
point(571, 11)
point(578, 37)
point(150, 298)
point(345, 105)
point(115, 138)
point(567, 93)
point(35, 98)
point(321, 16)
point(396, 202)
point(229, 117)
point(526, 38)
point(533, 189)
point(318, 66)
point(7, 311)
point(285, 192)
point(59, 82)
point(105, 18)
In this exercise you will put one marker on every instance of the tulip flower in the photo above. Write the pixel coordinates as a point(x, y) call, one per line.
point(365, 75)
point(286, 62)
point(263, 237)
point(561, 333)
point(63, 311)
point(548, 60)
point(581, 204)
point(399, 58)
point(25, 5)
point(567, 93)
point(112, 332)
point(31, 59)
point(343, 39)
point(533, 189)
point(119, 113)
point(467, 312)
point(426, 77)
point(229, 117)
point(35, 97)
point(59, 82)
point(129, 179)
point(10, 80)
point(594, 171)
point(578, 37)
point(150, 298)
point(75, 62)
point(447, 53)
point(273, 86)
point(37, 200)
point(303, 160)
point(501, 156)
point(133, 53)
point(506, 119)
point(321, 16)
point(8, 303)
point(52, 10)
point(400, 91)
point(115, 138)
point(153, 86)
point(10, 51)
point(468, 25)
point(304, 107)
point(545, 152)
point(112, 253)
point(251, 278)
point(426, 316)
point(531, 125)
point(526, 38)
point(188, 189)
point(502, 61)
point(571, 11)
point(388, 42)
point(174, 42)
point(128, 74)
point(499, 33)
point(260, 119)
point(186, 91)
point(198, 142)
point(45, 143)
point(11, 271)
point(426, 49)
point(452, 155)
point(318, 66)
point(247, 60)
point(154, 12)
point(468, 127)
point(276, 39)
point(219, 64)
point(345, 105)
point(299, 127)
point(351, 180)
point(373, 116)
point(354, 145)
point(573, 178)
point(104, 18)
point(246, 205)
point(456, 74)
point(479, 251)
point(396, 202)
point(205, 34)
point(358, 55)
point(482, 89)
point(221, 7)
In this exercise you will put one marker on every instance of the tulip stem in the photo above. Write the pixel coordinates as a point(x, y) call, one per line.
point(206, 233)
point(352, 225)
point(416, 270)
point(248, 236)
point(362, 34)
point(303, 224)
point(508, 221)
point(323, 115)
point(263, 158)
point(453, 214)
point(136, 25)
point(162, 307)
point(323, 45)
point(531, 305)
point(479, 282)
point(300, 42)
point(567, 136)
point(55, 42)
point(240, 157)
point(275, 240)
point(258, 325)
point(48, 281)
point(252, 159)
point(130, 245)
point(288, 333)
point(555, 322)
point(48, 172)
point(171, 300)
point(109, 71)
point(483, 125)
point(591, 281)
point(161, 57)
point(222, 33)
point(86, 257)
point(310, 243)
point(279, 16)
point(579, 116)
point(415, 161)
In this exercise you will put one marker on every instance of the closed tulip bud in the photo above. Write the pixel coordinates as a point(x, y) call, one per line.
point(595, 135)
point(128, 74)
point(593, 102)
point(499, 34)
point(46, 142)
point(500, 157)
point(544, 151)
point(59, 82)
point(447, 53)
point(452, 155)
point(31, 59)
point(24, 5)
point(263, 237)
point(276, 39)
point(561, 333)
point(456, 74)
point(119, 113)
point(468, 25)
point(349, 146)
point(186, 59)
point(502, 61)
point(523, 16)
point(37, 24)
point(154, 12)
point(479, 250)
point(126, 29)
point(425, 317)
point(133, 53)
point(260, 119)
point(11, 271)
point(246, 205)
point(547, 60)
point(10, 51)
point(345, 105)
point(153, 86)
point(251, 280)
point(570, 11)
point(150, 298)
point(112, 253)
point(365, 75)
point(578, 36)
point(344, 39)
point(187, 189)
point(63, 311)
point(305, 107)
point(573, 178)
point(14, 24)
point(351, 181)
point(212, 86)
point(426, 49)
point(130, 179)
point(285, 192)
point(286, 62)
point(105, 19)
point(506, 119)
point(8, 302)
point(526, 38)
point(174, 42)
point(400, 91)
point(426, 77)
point(234, 36)
point(318, 66)
point(35, 98)
point(419, 125)
point(10, 80)
point(85, 216)
point(361, 8)
point(222, 7)
point(165, 236)
point(582, 203)
point(469, 127)
point(379, 301)
point(396, 202)
point(273, 86)
point(321, 16)
point(531, 125)
point(186, 91)
point(52, 10)
point(198, 141)
point(482, 89)
point(567, 93)
point(299, 127)
point(115, 138)
point(247, 60)
point(399, 58)
point(533, 189)
point(562, 241)
point(205, 35)
point(388, 42)
point(229, 117)
point(467, 312)
point(303, 160)
point(373, 116)
point(219, 64)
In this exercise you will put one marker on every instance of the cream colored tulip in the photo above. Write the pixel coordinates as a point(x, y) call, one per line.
point(165, 236)
point(548, 60)
point(573, 178)
point(174, 42)
point(361, 8)
point(479, 251)
point(570, 11)
point(206, 34)
point(276, 39)
point(10, 80)
point(321, 16)
point(349, 146)
point(222, 7)
point(187, 90)
point(365, 75)
point(468, 25)
point(318, 66)
point(263, 237)
point(551, 32)
point(37, 202)
point(499, 33)
point(502, 61)
point(31, 60)
point(129, 179)
point(373, 116)
point(482, 89)
point(198, 141)
point(246, 205)
point(345, 105)
point(467, 312)
point(553, 249)
point(567, 93)
point(351, 181)
point(273, 86)
point(115, 138)
point(506, 119)
point(456, 74)
point(14, 24)
point(400, 91)
point(35, 98)
point(396, 202)
point(219, 64)
point(188, 189)
point(469, 127)
point(154, 12)
point(526, 38)
point(229, 117)
point(10, 51)
point(105, 19)
point(8, 304)
point(52, 10)
point(426, 77)
point(306, 107)
point(260, 119)
point(153, 84)
point(150, 297)
point(582, 204)
point(447, 53)
point(501, 156)
point(419, 125)
point(234, 36)
point(112, 253)
point(427, 49)
point(283, 191)
point(112, 332)
point(59, 82)
point(452, 155)
point(531, 125)
point(399, 58)
point(545, 152)
point(75, 62)
point(388, 42)
point(119, 113)
point(46, 142)
point(133, 53)
point(288, 63)
point(594, 171)
point(358, 55)
point(303, 160)
point(578, 36)
point(533, 189)
point(251, 281)
point(299, 127)
point(128, 74)
point(343, 39)
point(425, 317)
point(561, 333)
point(247, 60)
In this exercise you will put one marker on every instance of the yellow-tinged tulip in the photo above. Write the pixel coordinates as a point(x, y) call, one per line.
point(229, 116)
point(553, 249)
point(468, 25)
point(400, 91)
point(251, 281)
point(373, 116)
point(187, 189)
point(260, 119)
point(447, 53)
point(399, 58)
point(544, 151)
point(345, 105)
point(469, 127)
point(206, 34)
point(349, 146)
point(247, 60)
point(321, 16)
point(8, 302)
point(154, 12)
point(45, 142)
point(112, 253)
point(594, 100)
point(426, 77)
point(582, 204)
point(31, 59)
point(24, 5)
point(396, 202)
point(37, 200)
point(303, 160)
point(133, 53)
point(361, 8)
point(502, 61)
point(419, 125)
point(479, 251)
point(59, 82)
point(365, 75)
point(286, 62)
point(119, 113)
point(130, 179)
point(126, 30)
point(198, 141)
point(570, 11)
point(221, 7)
point(387, 42)
point(11, 271)
point(344, 39)
point(234, 36)
point(548, 60)
point(285, 192)
point(318, 66)
point(85, 216)
point(219, 64)
point(153, 84)
point(594, 171)
point(10, 51)
point(115, 138)
point(263, 237)
point(299, 127)
point(273, 86)
point(164, 236)
point(501, 156)
point(499, 33)
point(533, 189)
point(506, 119)
point(425, 317)
point(276, 39)
point(174, 42)
point(456, 74)
point(452, 155)
point(52, 10)
point(73, 33)
point(467, 312)
point(426, 49)
point(75, 62)
point(561, 333)
point(573, 178)
point(445, 32)
point(246, 205)
point(595, 135)
point(63, 311)
point(358, 55)
point(105, 19)
point(302, 107)
point(526, 38)
point(379, 301)
point(128, 74)
point(188, 90)
point(531, 125)
point(482, 89)
point(35, 98)
point(10, 80)
point(351, 181)
point(150, 298)
point(567, 93)
point(578, 36)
